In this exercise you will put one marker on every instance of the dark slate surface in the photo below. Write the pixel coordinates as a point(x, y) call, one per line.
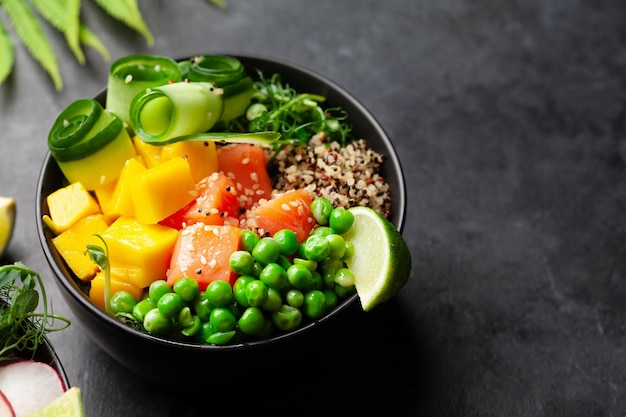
point(509, 119)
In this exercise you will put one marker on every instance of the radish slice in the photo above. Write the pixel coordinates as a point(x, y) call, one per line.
point(29, 385)
point(5, 406)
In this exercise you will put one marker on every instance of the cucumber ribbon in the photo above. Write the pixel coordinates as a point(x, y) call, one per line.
point(227, 73)
point(184, 111)
point(90, 144)
point(130, 75)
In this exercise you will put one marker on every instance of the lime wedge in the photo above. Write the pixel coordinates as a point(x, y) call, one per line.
point(7, 221)
point(70, 404)
point(381, 262)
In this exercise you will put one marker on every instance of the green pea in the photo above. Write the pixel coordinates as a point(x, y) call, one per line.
point(328, 269)
point(206, 330)
point(331, 299)
point(341, 220)
point(294, 298)
point(337, 246)
point(266, 250)
point(274, 276)
point(310, 265)
point(349, 252)
point(321, 209)
point(251, 321)
point(239, 289)
point(322, 231)
point(170, 304)
point(299, 276)
point(187, 287)
point(157, 289)
point(221, 338)
point(203, 308)
point(283, 261)
point(141, 309)
point(273, 301)
point(256, 269)
point(219, 293)
point(256, 293)
point(317, 282)
point(314, 304)
point(185, 317)
point(248, 240)
point(315, 248)
point(222, 319)
point(122, 302)
point(241, 262)
point(344, 277)
point(194, 328)
point(287, 318)
point(288, 241)
point(343, 292)
point(156, 323)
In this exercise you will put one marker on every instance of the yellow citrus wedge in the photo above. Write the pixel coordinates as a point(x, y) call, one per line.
point(70, 404)
point(381, 262)
point(7, 221)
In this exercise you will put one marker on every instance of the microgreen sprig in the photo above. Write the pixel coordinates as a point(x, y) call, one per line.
point(100, 255)
point(296, 116)
point(22, 327)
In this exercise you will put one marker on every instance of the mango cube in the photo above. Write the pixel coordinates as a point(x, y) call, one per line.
point(151, 154)
point(162, 190)
point(96, 292)
point(68, 205)
point(139, 253)
point(120, 202)
point(72, 245)
point(201, 155)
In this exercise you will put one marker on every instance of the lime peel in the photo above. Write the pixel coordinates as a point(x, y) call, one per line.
point(381, 262)
point(7, 221)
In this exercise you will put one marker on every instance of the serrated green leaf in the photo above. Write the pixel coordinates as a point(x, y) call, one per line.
point(219, 3)
point(7, 57)
point(88, 38)
point(127, 12)
point(64, 15)
point(32, 36)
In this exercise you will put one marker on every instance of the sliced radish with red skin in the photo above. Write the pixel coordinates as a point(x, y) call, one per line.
point(5, 406)
point(29, 384)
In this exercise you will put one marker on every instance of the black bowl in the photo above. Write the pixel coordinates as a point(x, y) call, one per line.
point(142, 352)
point(45, 353)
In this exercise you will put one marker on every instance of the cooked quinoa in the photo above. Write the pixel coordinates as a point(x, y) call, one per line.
point(346, 176)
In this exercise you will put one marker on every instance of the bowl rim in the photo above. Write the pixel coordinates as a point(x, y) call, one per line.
point(78, 295)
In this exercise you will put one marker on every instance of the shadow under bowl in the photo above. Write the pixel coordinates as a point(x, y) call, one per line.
point(141, 352)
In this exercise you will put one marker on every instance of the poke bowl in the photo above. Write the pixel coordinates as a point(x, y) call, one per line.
point(140, 350)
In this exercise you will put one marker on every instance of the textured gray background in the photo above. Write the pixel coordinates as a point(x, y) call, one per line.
point(509, 119)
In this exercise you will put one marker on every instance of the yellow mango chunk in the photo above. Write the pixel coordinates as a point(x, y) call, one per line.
point(104, 195)
point(151, 154)
point(102, 166)
point(201, 155)
point(162, 190)
point(96, 292)
point(120, 203)
point(72, 244)
point(68, 205)
point(139, 253)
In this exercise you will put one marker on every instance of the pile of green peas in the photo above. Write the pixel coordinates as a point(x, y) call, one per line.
point(280, 284)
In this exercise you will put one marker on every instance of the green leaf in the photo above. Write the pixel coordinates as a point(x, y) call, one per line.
point(88, 38)
point(31, 34)
point(219, 3)
point(127, 12)
point(64, 15)
point(7, 58)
